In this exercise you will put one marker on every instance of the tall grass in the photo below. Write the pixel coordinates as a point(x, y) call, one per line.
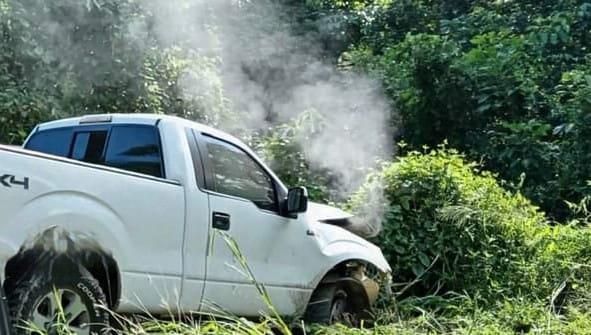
point(219, 322)
point(449, 313)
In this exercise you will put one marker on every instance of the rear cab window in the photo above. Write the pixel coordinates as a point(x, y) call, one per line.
point(135, 148)
point(53, 141)
point(89, 146)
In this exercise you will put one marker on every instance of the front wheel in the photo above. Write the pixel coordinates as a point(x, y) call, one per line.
point(329, 305)
point(70, 303)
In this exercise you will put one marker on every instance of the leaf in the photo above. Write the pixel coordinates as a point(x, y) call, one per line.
point(418, 270)
point(399, 249)
point(563, 36)
point(424, 259)
point(484, 108)
point(562, 129)
point(544, 38)
point(558, 130)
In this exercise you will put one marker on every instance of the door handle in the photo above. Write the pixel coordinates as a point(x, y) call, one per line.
point(221, 221)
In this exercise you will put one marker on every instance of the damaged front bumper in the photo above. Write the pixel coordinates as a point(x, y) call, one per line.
point(375, 287)
point(367, 286)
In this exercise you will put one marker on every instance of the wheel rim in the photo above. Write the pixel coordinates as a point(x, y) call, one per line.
point(338, 310)
point(47, 313)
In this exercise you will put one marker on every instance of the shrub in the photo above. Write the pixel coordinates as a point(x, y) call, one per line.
point(564, 266)
point(454, 227)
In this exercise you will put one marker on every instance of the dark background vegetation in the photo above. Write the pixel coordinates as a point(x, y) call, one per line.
point(505, 83)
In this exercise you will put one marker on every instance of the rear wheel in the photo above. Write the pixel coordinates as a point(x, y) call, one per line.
point(76, 315)
point(59, 304)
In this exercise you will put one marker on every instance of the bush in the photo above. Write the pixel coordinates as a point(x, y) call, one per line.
point(449, 227)
point(454, 227)
point(564, 267)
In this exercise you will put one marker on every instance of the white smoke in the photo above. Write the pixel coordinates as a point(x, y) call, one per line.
point(272, 75)
point(268, 75)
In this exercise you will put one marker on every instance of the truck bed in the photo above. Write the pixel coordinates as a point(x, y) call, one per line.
point(137, 218)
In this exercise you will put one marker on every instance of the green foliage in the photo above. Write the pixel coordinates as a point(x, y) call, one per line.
point(563, 259)
point(494, 79)
point(509, 317)
point(418, 77)
point(281, 148)
point(66, 58)
point(455, 228)
point(487, 76)
point(528, 146)
point(473, 257)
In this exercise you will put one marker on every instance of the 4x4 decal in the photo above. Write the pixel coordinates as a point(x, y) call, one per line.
point(10, 181)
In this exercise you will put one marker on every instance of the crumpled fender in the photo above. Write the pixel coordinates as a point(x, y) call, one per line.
point(341, 251)
point(340, 245)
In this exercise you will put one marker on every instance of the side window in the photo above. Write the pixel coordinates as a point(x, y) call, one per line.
point(135, 149)
point(236, 173)
point(54, 142)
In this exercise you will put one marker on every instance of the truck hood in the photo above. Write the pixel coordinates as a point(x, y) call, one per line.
point(320, 212)
point(337, 217)
point(332, 225)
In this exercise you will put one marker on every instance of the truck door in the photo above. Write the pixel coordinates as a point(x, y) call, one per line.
point(197, 230)
point(244, 209)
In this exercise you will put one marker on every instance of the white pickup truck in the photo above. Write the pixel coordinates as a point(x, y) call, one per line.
point(135, 211)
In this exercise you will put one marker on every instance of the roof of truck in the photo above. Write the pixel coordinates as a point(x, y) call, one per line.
point(148, 119)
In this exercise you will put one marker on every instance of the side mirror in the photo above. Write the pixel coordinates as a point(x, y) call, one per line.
point(297, 201)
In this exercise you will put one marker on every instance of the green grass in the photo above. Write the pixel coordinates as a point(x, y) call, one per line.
point(450, 313)
point(457, 316)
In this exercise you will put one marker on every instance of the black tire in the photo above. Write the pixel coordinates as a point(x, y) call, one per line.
point(78, 291)
point(329, 305)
